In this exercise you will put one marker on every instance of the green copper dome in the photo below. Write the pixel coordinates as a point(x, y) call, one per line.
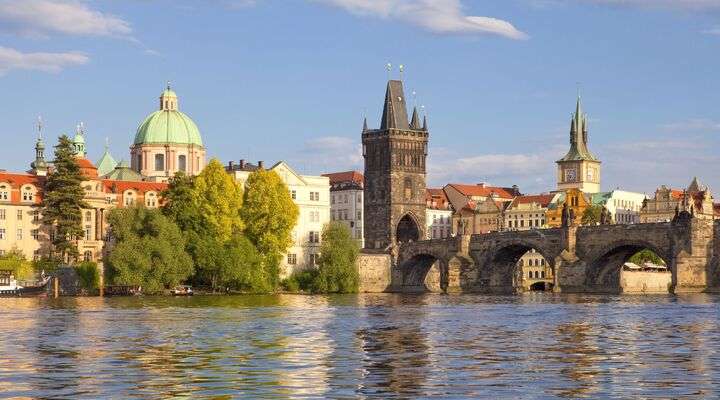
point(168, 125)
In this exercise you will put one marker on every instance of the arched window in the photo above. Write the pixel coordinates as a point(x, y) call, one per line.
point(28, 193)
point(4, 192)
point(129, 198)
point(150, 200)
point(87, 256)
point(182, 163)
point(159, 162)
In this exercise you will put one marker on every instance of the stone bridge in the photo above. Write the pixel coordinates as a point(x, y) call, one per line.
point(584, 259)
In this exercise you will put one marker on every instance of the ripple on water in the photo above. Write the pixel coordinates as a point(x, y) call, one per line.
point(379, 346)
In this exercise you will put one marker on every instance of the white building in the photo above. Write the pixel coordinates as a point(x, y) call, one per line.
point(624, 207)
point(346, 201)
point(312, 196)
point(438, 214)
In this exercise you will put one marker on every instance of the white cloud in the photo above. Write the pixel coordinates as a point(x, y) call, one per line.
point(438, 16)
point(327, 154)
point(712, 31)
point(45, 17)
point(692, 125)
point(48, 62)
point(693, 5)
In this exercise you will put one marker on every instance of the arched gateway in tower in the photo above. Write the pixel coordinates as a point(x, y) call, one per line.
point(394, 190)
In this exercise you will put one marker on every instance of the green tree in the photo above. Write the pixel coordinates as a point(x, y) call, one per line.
point(179, 202)
point(646, 255)
point(149, 250)
point(591, 215)
point(337, 272)
point(269, 214)
point(218, 198)
point(89, 275)
point(15, 261)
point(63, 200)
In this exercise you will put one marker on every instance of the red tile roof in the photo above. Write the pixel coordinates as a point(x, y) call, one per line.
point(347, 176)
point(483, 190)
point(16, 181)
point(121, 186)
point(436, 199)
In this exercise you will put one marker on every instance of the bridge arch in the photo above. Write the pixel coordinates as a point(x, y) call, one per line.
point(499, 270)
point(603, 268)
point(423, 272)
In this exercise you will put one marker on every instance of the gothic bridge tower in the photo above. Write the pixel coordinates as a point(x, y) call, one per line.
point(394, 188)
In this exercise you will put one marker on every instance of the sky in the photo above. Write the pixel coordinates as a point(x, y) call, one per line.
point(292, 79)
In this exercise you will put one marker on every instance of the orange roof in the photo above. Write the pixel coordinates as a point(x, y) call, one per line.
point(20, 179)
point(542, 199)
point(87, 168)
point(676, 193)
point(121, 186)
point(436, 199)
point(483, 190)
point(347, 176)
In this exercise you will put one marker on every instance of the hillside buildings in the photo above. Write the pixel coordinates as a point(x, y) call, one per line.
point(666, 202)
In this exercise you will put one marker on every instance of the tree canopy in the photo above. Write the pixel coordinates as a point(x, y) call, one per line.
point(646, 255)
point(591, 215)
point(270, 215)
point(63, 199)
point(337, 272)
point(149, 250)
point(218, 198)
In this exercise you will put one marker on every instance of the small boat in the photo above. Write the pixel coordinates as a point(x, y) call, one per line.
point(122, 290)
point(9, 286)
point(182, 290)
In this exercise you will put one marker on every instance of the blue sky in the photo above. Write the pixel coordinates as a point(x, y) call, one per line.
point(291, 79)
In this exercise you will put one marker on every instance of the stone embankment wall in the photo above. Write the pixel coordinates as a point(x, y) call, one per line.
point(375, 272)
point(645, 281)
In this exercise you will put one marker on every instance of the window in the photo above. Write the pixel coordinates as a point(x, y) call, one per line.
point(2, 213)
point(314, 196)
point(129, 198)
point(293, 194)
point(36, 216)
point(88, 216)
point(359, 215)
point(313, 258)
point(314, 216)
point(292, 259)
point(4, 194)
point(408, 188)
point(19, 234)
point(19, 215)
point(2, 233)
point(182, 163)
point(345, 215)
point(27, 194)
point(88, 232)
point(35, 233)
point(150, 199)
point(542, 274)
point(314, 237)
point(358, 234)
point(87, 256)
point(159, 162)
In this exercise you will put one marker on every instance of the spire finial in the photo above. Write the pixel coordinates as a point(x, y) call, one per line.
point(39, 126)
point(402, 70)
point(388, 68)
point(168, 85)
point(107, 143)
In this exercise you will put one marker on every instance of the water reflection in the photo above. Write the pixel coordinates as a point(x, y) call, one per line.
point(367, 346)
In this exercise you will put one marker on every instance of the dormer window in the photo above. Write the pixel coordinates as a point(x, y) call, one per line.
point(129, 198)
point(28, 194)
point(150, 200)
point(4, 192)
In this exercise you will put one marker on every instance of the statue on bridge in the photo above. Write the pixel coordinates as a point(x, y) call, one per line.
point(565, 216)
point(605, 218)
point(462, 227)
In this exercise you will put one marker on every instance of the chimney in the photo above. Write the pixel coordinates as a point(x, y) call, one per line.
point(260, 164)
point(242, 164)
point(516, 190)
point(231, 165)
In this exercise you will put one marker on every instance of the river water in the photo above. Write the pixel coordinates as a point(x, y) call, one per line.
point(385, 346)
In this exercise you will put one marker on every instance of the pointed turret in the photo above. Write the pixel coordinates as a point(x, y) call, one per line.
point(415, 121)
point(365, 127)
point(394, 112)
point(578, 137)
point(39, 166)
point(106, 163)
point(424, 123)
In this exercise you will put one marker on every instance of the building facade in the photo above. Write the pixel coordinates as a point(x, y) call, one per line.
point(667, 201)
point(166, 142)
point(312, 196)
point(478, 208)
point(623, 206)
point(346, 201)
point(577, 202)
point(394, 191)
point(438, 215)
point(579, 168)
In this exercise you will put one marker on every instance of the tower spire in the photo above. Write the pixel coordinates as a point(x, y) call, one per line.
point(394, 112)
point(39, 166)
point(365, 126)
point(415, 121)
